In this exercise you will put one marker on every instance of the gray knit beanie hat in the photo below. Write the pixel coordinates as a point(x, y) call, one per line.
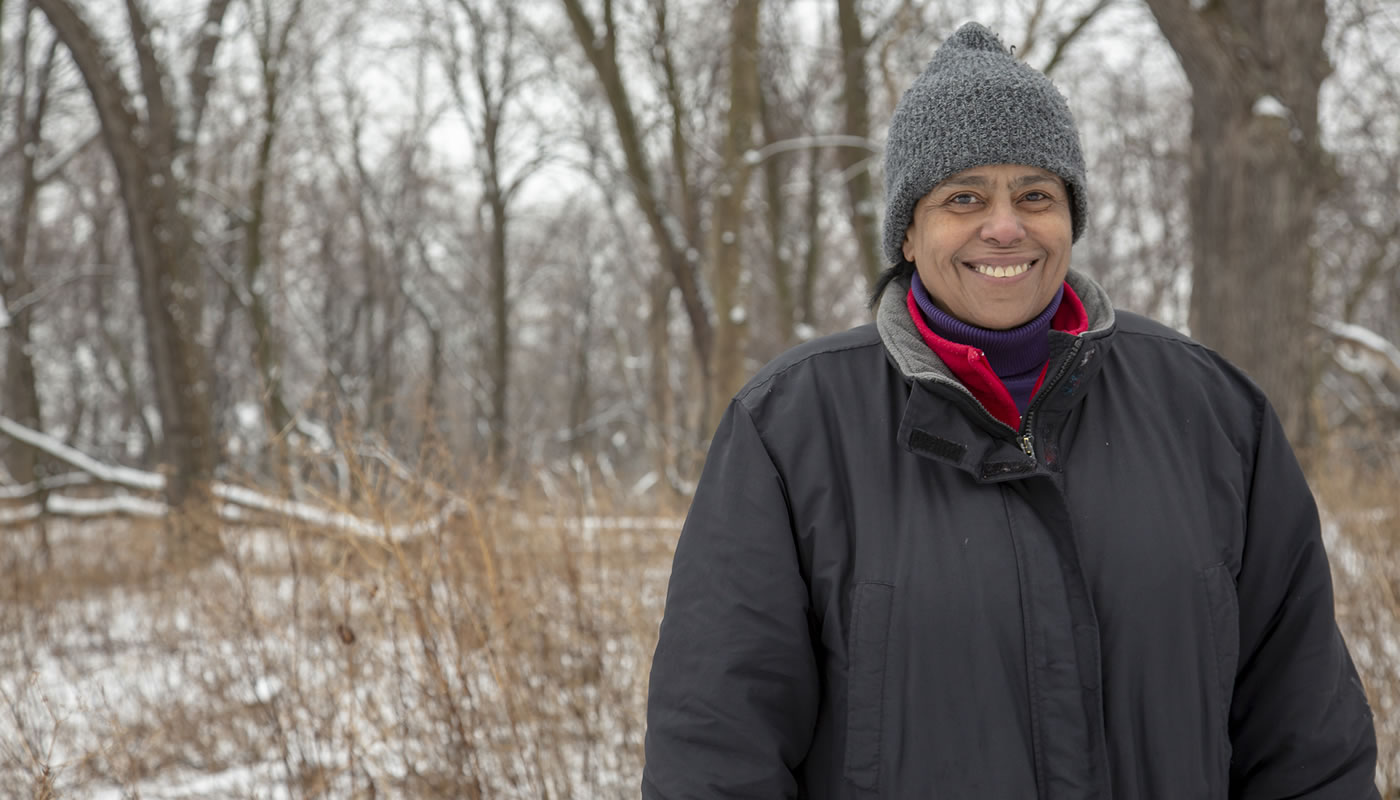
point(974, 105)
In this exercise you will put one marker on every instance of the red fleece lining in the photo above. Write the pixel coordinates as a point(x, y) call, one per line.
point(1070, 317)
point(971, 367)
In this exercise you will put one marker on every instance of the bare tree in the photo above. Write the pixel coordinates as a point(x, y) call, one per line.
point(599, 42)
point(1258, 173)
point(149, 143)
point(486, 77)
point(273, 39)
point(19, 397)
point(727, 278)
point(855, 99)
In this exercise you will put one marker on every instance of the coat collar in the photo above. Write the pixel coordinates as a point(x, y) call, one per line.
point(914, 358)
point(944, 421)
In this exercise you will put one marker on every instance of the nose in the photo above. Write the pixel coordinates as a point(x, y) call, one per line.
point(1002, 227)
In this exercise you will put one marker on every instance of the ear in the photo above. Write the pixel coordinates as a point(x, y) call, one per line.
point(908, 246)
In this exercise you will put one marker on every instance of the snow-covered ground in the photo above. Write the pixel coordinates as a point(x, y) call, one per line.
point(502, 663)
point(504, 656)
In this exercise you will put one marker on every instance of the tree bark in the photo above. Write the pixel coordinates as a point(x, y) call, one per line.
point(494, 97)
point(662, 416)
point(812, 257)
point(727, 280)
point(686, 197)
point(774, 173)
point(1258, 174)
point(19, 397)
point(145, 151)
point(272, 56)
point(855, 100)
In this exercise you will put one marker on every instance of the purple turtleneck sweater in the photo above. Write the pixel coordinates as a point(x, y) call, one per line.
point(1016, 355)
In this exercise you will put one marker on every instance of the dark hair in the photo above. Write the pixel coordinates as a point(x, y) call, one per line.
point(903, 270)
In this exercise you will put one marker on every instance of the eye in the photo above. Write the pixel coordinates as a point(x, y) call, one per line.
point(1035, 196)
point(962, 199)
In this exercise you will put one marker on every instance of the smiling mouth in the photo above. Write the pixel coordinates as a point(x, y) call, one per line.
point(1003, 270)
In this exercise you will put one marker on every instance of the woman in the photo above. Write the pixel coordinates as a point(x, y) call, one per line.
point(1006, 542)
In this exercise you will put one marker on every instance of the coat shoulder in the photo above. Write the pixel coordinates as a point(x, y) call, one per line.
point(1131, 324)
point(1158, 352)
point(1140, 331)
point(830, 355)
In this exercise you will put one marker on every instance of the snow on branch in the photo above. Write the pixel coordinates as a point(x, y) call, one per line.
point(340, 520)
point(116, 475)
point(239, 500)
point(25, 513)
point(1364, 338)
point(755, 157)
point(236, 498)
point(106, 506)
point(24, 490)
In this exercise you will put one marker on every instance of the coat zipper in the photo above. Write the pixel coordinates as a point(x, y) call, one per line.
point(1027, 441)
point(1023, 438)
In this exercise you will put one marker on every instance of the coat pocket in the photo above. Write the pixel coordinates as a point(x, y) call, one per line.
point(1224, 606)
point(865, 690)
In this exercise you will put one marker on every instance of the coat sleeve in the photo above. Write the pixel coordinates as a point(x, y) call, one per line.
point(1300, 726)
point(734, 687)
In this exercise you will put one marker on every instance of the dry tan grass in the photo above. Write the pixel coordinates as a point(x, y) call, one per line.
point(1359, 491)
point(495, 658)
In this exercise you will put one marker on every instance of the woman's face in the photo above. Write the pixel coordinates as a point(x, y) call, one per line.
point(992, 244)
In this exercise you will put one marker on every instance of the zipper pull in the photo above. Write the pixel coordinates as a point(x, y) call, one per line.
point(1027, 446)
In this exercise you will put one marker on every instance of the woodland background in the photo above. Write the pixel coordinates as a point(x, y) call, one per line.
point(359, 356)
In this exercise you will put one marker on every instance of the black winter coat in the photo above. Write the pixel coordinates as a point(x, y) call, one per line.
point(882, 591)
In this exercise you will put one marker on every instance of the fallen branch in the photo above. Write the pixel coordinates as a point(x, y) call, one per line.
point(24, 491)
point(238, 501)
point(117, 475)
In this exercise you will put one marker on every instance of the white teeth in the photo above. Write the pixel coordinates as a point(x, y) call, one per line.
point(1002, 272)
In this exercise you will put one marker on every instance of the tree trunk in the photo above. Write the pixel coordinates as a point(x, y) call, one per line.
point(774, 173)
point(145, 150)
point(272, 55)
point(812, 258)
point(499, 364)
point(855, 99)
point(661, 418)
point(19, 396)
point(491, 63)
point(727, 283)
point(582, 442)
point(686, 198)
point(1258, 174)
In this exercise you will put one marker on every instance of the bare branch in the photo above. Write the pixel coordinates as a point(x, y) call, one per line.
point(201, 72)
point(1063, 42)
point(160, 121)
point(50, 169)
point(1032, 30)
point(109, 95)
